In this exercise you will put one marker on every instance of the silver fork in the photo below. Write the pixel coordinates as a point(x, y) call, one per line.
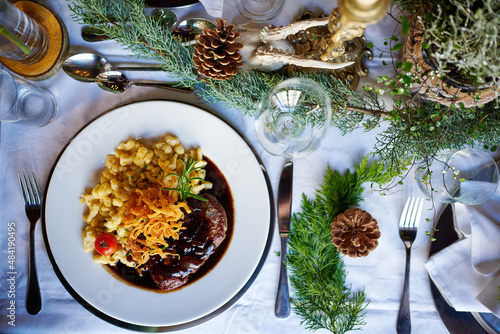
point(408, 225)
point(32, 197)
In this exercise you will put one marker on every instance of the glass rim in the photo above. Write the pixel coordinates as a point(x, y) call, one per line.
point(260, 17)
point(484, 154)
point(9, 77)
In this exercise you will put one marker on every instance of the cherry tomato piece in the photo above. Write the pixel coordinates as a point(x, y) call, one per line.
point(106, 244)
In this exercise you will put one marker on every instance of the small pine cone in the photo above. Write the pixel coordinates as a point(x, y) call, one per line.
point(216, 53)
point(355, 233)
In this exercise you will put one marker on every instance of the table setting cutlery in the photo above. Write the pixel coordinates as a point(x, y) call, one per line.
point(91, 67)
point(116, 82)
point(32, 197)
point(85, 67)
point(408, 225)
point(101, 295)
point(282, 308)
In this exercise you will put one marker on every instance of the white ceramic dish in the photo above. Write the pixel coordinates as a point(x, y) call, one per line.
point(128, 306)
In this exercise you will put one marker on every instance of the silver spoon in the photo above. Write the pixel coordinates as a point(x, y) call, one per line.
point(86, 67)
point(116, 82)
point(190, 29)
point(167, 19)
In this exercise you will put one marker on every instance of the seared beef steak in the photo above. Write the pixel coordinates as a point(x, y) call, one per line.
point(205, 229)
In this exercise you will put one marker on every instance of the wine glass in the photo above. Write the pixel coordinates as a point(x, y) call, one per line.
point(468, 176)
point(291, 121)
point(292, 118)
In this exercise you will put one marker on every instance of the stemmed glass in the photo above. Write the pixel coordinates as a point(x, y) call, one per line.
point(291, 121)
point(468, 176)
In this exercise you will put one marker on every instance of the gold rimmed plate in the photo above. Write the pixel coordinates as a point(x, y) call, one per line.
point(129, 306)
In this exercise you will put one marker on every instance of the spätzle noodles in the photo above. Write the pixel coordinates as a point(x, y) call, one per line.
point(136, 169)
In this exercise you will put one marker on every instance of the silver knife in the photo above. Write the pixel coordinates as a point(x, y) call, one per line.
point(282, 307)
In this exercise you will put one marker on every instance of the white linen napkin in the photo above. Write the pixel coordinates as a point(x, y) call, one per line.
point(213, 7)
point(466, 271)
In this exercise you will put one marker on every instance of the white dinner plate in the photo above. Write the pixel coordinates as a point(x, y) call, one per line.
point(129, 306)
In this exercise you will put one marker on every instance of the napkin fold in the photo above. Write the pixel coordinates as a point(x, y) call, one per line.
point(466, 271)
point(213, 7)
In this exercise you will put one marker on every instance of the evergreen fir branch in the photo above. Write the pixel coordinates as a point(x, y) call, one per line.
point(317, 273)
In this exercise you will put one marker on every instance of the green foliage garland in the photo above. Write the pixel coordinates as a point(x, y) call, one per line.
point(415, 131)
point(317, 271)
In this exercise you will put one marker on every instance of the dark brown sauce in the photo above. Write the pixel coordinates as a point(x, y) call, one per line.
point(222, 192)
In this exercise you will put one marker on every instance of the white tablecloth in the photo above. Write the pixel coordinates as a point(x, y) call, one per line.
point(380, 274)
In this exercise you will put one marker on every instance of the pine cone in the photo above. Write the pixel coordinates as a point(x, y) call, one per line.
point(355, 233)
point(216, 53)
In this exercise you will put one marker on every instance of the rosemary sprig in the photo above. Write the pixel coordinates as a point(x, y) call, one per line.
point(317, 272)
point(184, 182)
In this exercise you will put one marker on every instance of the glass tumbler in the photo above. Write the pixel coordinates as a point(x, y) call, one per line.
point(25, 103)
point(468, 176)
point(21, 38)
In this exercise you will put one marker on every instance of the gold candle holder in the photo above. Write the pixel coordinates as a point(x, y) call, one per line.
point(349, 21)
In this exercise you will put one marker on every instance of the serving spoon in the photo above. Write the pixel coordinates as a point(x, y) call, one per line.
point(116, 82)
point(86, 67)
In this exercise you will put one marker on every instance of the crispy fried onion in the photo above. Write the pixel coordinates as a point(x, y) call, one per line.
point(151, 217)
